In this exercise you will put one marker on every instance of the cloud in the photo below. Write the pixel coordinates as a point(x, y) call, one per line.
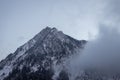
point(104, 51)
point(111, 14)
point(101, 54)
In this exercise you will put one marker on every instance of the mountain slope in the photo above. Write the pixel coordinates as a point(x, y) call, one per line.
point(35, 60)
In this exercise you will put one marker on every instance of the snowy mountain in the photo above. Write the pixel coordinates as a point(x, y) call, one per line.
point(40, 57)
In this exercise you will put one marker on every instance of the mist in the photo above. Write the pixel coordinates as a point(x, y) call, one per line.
point(101, 54)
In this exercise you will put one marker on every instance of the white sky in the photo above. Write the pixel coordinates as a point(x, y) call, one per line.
point(20, 20)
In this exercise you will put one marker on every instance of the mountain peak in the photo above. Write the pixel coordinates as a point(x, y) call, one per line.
point(49, 29)
point(45, 32)
point(48, 48)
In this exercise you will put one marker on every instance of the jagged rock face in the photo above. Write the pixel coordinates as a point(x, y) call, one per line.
point(35, 59)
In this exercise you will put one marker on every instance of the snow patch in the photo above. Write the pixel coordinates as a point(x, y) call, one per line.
point(35, 68)
point(5, 71)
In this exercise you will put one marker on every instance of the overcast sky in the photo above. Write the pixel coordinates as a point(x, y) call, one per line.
point(20, 20)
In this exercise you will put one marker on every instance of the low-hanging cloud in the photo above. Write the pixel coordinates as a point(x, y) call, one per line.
point(104, 51)
point(102, 54)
